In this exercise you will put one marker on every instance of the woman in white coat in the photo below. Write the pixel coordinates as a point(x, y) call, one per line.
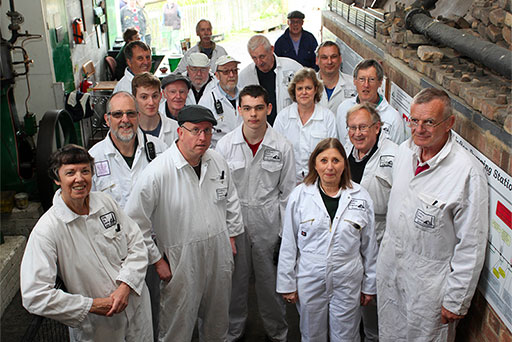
point(98, 252)
point(305, 123)
point(329, 250)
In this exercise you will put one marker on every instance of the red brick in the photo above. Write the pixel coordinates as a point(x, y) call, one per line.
point(492, 319)
point(505, 335)
point(505, 159)
point(489, 107)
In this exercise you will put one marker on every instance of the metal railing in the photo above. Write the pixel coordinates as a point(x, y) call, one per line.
point(356, 16)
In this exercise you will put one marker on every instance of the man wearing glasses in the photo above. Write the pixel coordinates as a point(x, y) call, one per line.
point(297, 43)
point(436, 231)
point(198, 71)
point(126, 150)
point(371, 166)
point(368, 76)
point(189, 200)
point(222, 100)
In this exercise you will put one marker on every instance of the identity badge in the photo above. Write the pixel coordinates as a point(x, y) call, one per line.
point(221, 193)
point(102, 168)
point(349, 93)
point(386, 161)
point(108, 220)
point(272, 155)
point(357, 204)
point(425, 220)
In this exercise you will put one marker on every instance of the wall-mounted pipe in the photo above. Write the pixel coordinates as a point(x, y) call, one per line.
point(491, 55)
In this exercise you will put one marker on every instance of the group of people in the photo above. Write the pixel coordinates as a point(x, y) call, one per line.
point(289, 176)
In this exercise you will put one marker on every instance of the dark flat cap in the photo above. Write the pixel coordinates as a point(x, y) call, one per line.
point(195, 114)
point(173, 78)
point(296, 15)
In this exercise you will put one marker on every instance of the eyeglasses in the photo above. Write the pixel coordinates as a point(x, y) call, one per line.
point(361, 128)
point(228, 71)
point(196, 131)
point(369, 79)
point(198, 69)
point(429, 123)
point(258, 108)
point(118, 114)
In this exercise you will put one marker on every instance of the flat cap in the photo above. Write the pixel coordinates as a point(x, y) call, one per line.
point(225, 59)
point(296, 15)
point(173, 78)
point(198, 59)
point(195, 114)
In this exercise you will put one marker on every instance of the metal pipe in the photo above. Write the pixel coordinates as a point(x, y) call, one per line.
point(494, 57)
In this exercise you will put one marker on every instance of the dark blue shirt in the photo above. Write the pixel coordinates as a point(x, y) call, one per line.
point(284, 48)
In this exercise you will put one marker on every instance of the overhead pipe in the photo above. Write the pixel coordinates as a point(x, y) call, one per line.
point(491, 55)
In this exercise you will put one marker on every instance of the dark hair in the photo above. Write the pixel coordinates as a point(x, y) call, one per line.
point(300, 76)
point(128, 50)
point(129, 33)
point(368, 63)
point(327, 43)
point(429, 94)
point(322, 146)
point(145, 79)
point(254, 90)
point(69, 154)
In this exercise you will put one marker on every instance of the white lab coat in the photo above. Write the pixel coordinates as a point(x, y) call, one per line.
point(125, 83)
point(228, 120)
point(191, 99)
point(264, 183)
point(169, 131)
point(193, 220)
point(112, 174)
point(92, 254)
point(434, 245)
point(285, 70)
point(344, 89)
point(392, 123)
point(329, 265)
point(378, 179)
point(217, 52)
point(304, 138)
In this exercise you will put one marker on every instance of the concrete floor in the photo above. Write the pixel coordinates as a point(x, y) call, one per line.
point(16, 320)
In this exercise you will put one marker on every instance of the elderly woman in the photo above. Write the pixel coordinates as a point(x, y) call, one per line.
point(328, 253)
point(99, 253)
point(304, 122)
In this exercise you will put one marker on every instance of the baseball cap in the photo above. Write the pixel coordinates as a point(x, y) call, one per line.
point(225, 59)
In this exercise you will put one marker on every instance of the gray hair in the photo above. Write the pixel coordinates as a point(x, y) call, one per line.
point(429, 94)
point(327, 43)
point(121, 93)
point(202, 21)
point(368, 63)
point(257, 41)
point(369, 107)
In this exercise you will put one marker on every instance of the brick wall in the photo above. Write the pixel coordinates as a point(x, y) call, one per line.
point(11, 253)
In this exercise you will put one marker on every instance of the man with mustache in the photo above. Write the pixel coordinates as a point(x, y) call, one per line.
point(125, 151)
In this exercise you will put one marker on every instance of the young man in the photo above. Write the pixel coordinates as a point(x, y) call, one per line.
point(263, 169)
point(146, 89)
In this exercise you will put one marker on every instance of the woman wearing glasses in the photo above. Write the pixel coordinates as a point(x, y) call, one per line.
point(305, 123)
point(99, 253)
point(328, 252)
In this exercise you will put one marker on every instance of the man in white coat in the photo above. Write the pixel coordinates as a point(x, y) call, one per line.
point(87, 240)
point(263, 168)
point(201, 80)
point(146, 89)
point(120, 158)
point(338, 86)
point(222, 100)
point(138, 59)
point(371, 166)
point(188, 199)
point(271, 72)
point(436, 231)
point(205, 45)
point(368, 77)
